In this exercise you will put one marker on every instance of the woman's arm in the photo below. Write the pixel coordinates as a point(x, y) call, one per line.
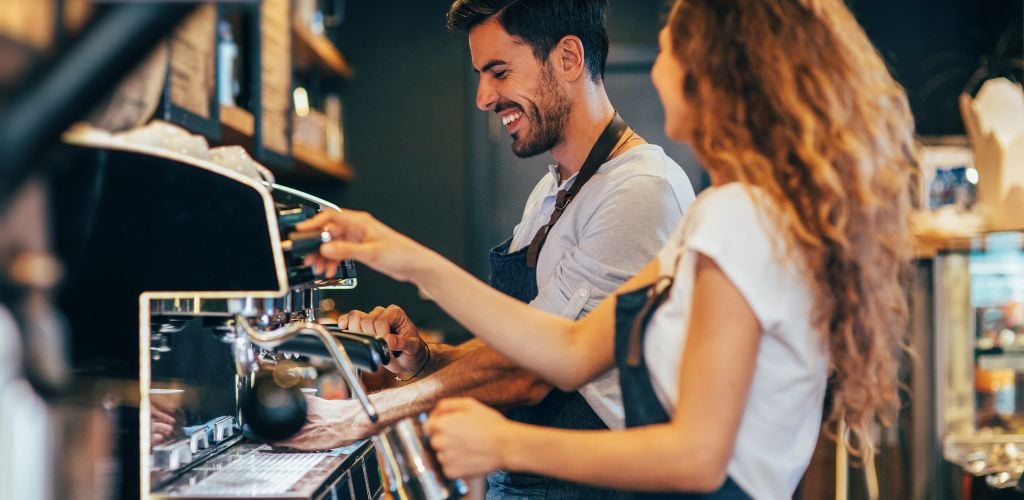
point(690, 453)
point(564, 353)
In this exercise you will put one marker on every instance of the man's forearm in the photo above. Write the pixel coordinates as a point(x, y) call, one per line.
point(442, 355)
point(474, 370)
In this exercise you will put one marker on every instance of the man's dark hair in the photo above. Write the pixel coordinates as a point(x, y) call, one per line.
point(541, 24)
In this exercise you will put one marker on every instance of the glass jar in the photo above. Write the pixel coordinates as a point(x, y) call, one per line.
point(997, 393)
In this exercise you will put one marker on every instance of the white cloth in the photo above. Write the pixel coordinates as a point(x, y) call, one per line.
point(614, 226)
point(782, 417)
point(26, 428)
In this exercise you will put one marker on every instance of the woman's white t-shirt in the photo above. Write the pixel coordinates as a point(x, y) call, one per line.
point(782, 417)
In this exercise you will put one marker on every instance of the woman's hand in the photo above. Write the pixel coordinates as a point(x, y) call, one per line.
point(470, 439)
point(357, 235)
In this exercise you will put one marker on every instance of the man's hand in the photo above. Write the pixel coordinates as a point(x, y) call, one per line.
point(330, 424)
point(165, 424)
point(393, 325)
point(468, 437)
point(167, 420)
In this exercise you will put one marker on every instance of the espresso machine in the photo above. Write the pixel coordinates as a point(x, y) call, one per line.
point(185, 282)
point(157, 324)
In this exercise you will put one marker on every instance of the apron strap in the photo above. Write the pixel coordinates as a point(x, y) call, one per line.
point(657, 294)
point(598, 155)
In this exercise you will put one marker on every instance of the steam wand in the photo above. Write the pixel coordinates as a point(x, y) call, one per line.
point(269, 339)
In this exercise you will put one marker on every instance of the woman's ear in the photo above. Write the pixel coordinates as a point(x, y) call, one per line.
point(570, 57)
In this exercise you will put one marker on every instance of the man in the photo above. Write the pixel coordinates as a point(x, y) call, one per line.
point(541, 66)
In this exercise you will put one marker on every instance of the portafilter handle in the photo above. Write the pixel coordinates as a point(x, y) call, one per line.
point(300, 243)
point(269, 339)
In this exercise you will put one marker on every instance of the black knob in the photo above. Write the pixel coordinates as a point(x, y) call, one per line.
point(290, 215)
point(365, 351)
point(347, 270)
point(300, 275)
point(301, 243)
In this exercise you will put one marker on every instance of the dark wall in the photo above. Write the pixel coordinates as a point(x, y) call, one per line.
point(940, 48)
point(404, 131)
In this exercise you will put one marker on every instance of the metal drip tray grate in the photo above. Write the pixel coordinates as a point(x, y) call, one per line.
point(258, 474)
point(254, 470)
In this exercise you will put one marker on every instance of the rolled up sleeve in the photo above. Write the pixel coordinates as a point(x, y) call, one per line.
point(618, 235)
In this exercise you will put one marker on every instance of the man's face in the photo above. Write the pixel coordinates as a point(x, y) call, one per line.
point(524, 92)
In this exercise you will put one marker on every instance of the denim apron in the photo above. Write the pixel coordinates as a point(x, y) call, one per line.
point(567, 410)
point(633, 312)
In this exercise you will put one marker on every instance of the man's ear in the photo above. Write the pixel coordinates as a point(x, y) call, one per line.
point(569, 58)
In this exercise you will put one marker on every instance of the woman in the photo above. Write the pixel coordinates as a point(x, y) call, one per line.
point(783, 275)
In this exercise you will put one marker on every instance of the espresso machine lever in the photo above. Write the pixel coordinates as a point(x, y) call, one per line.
point(269, 339)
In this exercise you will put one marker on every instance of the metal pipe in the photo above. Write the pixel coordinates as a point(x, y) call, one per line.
point(270, 339)
point(348, 370)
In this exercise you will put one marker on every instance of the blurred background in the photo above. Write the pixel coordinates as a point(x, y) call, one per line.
point(370, 105)
point(411, 146)
point(433, 166)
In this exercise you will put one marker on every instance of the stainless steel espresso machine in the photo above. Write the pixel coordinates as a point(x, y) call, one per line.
point(153, 304)
point(187, 277)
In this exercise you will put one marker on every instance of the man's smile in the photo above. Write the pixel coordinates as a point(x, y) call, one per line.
point(511, 117)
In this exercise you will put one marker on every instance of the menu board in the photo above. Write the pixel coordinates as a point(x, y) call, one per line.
point(276, 73)
point(136, 97)
point(192, 60)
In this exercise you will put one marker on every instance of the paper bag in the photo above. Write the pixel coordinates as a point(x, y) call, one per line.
point(995, 126)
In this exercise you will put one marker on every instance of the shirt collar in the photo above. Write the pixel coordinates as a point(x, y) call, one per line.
point(553, 170)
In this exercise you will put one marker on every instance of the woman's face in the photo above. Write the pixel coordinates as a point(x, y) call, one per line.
point(667, 75)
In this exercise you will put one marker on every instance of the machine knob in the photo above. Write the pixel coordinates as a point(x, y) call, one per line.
point(223, 428)
point(303, 242)
point(347, 270)
point(300, 275)
point(290, 215)
point(172, 456)
point(198, 441)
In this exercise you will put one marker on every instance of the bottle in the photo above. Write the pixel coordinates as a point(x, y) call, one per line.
point(335, 136)
point(227, 52)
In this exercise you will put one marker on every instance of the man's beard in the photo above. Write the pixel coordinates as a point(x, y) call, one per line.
point(547, 121)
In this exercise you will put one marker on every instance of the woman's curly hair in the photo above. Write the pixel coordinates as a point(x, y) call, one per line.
point(791, 97)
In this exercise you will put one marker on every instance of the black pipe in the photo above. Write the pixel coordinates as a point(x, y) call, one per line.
point(366, 352)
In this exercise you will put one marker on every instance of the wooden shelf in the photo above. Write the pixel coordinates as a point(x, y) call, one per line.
point(927, 246)
point(310, 48)
point(239, 126)
point(238, 120)
point(308, 162)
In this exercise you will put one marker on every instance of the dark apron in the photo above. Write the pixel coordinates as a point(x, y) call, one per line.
point(566, 410)
point(515, 274)
point(633, 312)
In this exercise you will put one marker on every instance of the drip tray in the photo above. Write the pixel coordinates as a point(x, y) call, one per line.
point(255, 470)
